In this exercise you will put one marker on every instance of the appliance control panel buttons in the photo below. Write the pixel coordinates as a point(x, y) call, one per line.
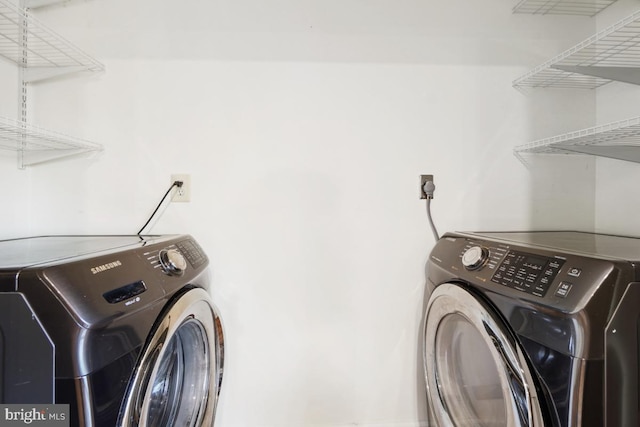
point(563, 289)
point(172, 262)
point(528, 273)
point(475, 257)
point(575, 272)
point(192, 251)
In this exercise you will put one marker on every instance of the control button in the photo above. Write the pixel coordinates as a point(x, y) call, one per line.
point(172, 261)
point(475, 257)
point(192, 251)
point(575, 272)
point(563, 289)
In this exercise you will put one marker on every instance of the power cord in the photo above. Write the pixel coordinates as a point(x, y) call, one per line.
point(176, 184)
point(429, 188)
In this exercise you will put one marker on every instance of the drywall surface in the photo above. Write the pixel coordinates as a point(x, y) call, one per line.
point(617, 201)
point(305, 127)
point(14, 214)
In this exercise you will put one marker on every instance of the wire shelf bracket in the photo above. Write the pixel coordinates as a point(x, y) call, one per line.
point(618, 140)
point(612, 54)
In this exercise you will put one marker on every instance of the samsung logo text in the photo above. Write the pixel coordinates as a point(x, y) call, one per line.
point(105, 267)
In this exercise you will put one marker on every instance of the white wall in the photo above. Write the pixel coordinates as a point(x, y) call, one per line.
point(617, 203)
point(14, 214)
point(305, 126)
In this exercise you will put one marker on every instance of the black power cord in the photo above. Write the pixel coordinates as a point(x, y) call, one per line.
point(177, 184)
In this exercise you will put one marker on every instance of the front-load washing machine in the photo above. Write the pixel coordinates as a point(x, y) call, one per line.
point(120, 328)
point(532, 329)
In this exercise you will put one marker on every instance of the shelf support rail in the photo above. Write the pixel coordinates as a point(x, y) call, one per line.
point(22, 84)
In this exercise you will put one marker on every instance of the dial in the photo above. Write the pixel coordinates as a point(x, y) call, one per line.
point(172, 261)
point(475, 257)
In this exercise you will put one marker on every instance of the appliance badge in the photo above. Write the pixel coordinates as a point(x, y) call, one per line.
point(105, 267)
point(132, 301)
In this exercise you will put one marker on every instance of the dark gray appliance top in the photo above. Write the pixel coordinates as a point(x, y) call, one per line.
point(97, 297)
point(588, 244)
point(30, 251)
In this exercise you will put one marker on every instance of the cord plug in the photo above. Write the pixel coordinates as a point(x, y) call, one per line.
point(178, 184)
point(427, 187)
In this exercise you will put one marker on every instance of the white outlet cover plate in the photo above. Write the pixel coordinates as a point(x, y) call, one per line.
point(181, 194)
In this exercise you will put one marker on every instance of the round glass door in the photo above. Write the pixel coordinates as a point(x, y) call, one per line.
point(179, 388)
point(476, 373)
point(179, 372)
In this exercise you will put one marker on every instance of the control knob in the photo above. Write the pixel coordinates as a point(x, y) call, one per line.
point(172, 262)
point(475, 257)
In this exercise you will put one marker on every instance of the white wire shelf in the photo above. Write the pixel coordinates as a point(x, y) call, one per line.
point(37, 145)
point(611, 54)
point(562, 7)
point(40, 51)
point(619, 140)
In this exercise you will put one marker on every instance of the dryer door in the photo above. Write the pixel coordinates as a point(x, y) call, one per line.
point(476, 372)
point(178, 375)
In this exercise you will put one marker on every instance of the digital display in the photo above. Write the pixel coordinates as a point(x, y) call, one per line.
point(535, 261)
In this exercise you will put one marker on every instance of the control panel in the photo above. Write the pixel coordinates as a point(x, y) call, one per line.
point(518, 270)
point(528, 273)
point(563, 270)
point(172, 259)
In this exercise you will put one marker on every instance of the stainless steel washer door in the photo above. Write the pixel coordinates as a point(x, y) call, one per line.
point(180, 370)
point(476, 373)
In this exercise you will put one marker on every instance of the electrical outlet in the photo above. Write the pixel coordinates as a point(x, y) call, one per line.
point(181, 194)
point(423, 180)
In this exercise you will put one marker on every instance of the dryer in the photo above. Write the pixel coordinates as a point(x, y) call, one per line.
point(532, 329)
point(120, 328)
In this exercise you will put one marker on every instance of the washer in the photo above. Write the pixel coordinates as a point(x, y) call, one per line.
point(120, 328)
point(532, 329)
